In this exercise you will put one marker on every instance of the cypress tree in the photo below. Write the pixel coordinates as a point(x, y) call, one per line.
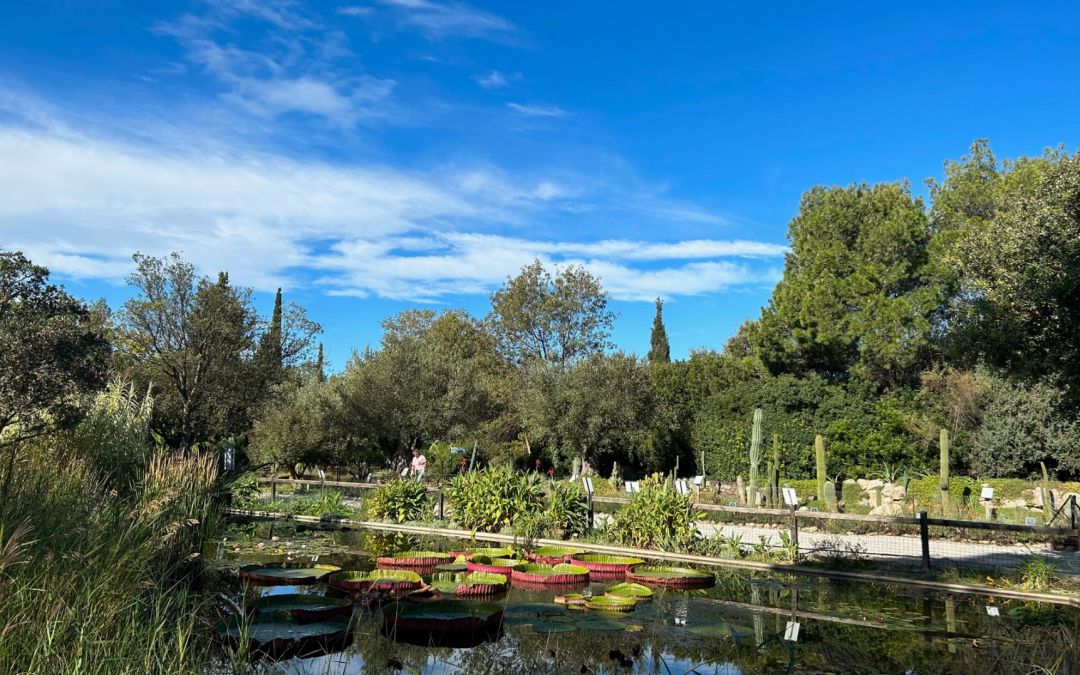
point(268, 357)
point(319, 373)
point(660, 351)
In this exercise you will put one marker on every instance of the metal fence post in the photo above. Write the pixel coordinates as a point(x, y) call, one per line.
point(441, 505)
point(924, 534)
point(794, 528)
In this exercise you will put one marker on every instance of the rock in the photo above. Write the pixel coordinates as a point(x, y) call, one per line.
point(870, 485)
point(890, 509)
point(850, 480)
point(862, 483)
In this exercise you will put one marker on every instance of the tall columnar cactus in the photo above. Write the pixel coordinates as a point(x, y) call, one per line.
point(943, 483)
point(740, 487)
point(830, 495)
point(774, 477)
point(1047, 496)
point(755, 457)
point(819, 448)
point(768, 484)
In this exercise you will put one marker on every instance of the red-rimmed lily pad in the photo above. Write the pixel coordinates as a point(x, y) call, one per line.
point(306, 608)
point(488, 552)
point(453, 567)
point(605, 563)
point(562, 573)
point(670, 577)
point(553, 555)
point(474, 584)
point(571, 600)
point(482, 563)
point(377, 580)
point(443, 622)
point(416, 559)
point(627, 590)
point(611, 603)
point(280, 635)
point(285, 573)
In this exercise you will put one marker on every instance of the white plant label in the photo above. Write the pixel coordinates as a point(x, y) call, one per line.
point(988, 493)
point(791, 633)
point(586, 482)
point(790, 498)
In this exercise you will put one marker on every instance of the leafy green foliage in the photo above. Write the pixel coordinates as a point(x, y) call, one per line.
point(493, 498)
point(399, 499)
point(654, 514)
point(857, 297)
point(565, 509)
point(51, 351)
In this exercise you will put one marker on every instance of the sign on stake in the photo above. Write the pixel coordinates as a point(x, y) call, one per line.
point(790, 498)
point(586, 483)
point(791, 633)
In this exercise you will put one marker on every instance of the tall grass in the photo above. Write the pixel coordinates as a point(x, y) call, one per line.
point(99, 538)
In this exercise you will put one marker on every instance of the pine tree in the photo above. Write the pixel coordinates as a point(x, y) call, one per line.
point(660, 351)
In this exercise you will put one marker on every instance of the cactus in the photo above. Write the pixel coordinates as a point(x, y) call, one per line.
point(1047, 496)
point(830, 495)
point(616, 476)
point(755, 457)
point(740, 487)
point(943, 483)
point(768, 484)
point(877, 495)
point(819, 448)
point(576, 466)
point(774, 475)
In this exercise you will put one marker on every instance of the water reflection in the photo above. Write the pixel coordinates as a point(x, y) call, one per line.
point(742, 625)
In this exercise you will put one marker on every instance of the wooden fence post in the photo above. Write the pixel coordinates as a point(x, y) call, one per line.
point(924, 534)
point(273, 487)
point(441, 505)
point(794, 528)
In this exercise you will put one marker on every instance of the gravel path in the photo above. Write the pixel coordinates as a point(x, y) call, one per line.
point(902, 551)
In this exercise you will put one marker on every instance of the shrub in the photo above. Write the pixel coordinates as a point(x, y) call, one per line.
point(493, 498)
point(399, 500)
point(655, 514)
point(565, 509)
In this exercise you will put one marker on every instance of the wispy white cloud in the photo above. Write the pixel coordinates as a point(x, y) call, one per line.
point(537, 110)
point(81, 203)
point(493, 79)
point(439, 20)
point(295, 70)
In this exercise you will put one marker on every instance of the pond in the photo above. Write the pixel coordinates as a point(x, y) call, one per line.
point(745, 623)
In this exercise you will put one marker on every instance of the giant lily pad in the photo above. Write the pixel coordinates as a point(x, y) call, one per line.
point(536, 608)
point(305, 608)
point(488, 552)
point(550, 627)
point(482, 563)
point(611, 603)
point(627, 590)
point(551, 574)
point(601, 625)
point(673, 577)
point(605, 563)
point(477, 583)
point(415, 559)
point(281, 635)
point(286, 573)
point(379, 580)
point(443, 615)
point(553, 555)
point(570, 599)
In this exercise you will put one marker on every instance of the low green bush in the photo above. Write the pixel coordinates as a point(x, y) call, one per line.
point(565, 509)
point(656, 516)
point(400, 500)
point(493, 498)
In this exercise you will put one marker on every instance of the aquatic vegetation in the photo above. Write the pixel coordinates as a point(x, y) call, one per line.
point(378, 580)
point(553, 555)
point(605, 563)
point(286, 573)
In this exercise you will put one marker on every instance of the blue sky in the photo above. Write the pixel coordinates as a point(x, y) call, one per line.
point(374, 155)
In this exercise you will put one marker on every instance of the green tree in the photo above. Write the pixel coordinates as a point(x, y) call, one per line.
point(857, 298)
point(1020, 269)
point(556, 319)
point(418, 388)
point(659, 351)
point(52, 351)
point(600, 409)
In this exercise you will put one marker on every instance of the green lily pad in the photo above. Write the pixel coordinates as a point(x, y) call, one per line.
point(547, 627)
point(627, 590)
point(601, 625)
point(535, 608)
point(452, 567)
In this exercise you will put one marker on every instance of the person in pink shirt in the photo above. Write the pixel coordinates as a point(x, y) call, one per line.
point(419, 464)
